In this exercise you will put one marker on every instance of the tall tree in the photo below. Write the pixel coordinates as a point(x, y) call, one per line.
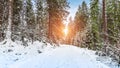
point(80, 21)
point(112, 11)
point(81, 16)
point(104, 21)
point(94, 38)
point(41, 18)
point(10, 19)
point(17, 8)
point(57, 13)
point(3, 18)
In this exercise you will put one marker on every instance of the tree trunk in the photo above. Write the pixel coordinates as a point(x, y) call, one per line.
point(8, 33)
point(104, 26)
point(49, 21)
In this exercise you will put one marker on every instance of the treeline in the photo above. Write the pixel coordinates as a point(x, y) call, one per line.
point(32, 19)
point(97, 27)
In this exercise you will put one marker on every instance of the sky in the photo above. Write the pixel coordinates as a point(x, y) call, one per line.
point(74, 6)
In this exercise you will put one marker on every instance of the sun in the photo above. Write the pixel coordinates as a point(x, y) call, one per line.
point(66, 31)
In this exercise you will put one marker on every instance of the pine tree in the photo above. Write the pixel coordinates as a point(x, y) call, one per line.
point(80, 21)
point(113, 20)
point(3, 18)
point(94, 34)
point(41, 19)
point(81, 16)
point(17, 8)
point(105, 37)
point(10, 19)
point(30, 19)
point(57, 13)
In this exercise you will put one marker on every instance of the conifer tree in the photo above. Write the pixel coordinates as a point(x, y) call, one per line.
point(57, 13)
point(30, 20)
point(17, 8)
point(10, 19)
point(3, 18)
point(41, 18)
point(80, 20)
point(81, 16)
point(94, 34)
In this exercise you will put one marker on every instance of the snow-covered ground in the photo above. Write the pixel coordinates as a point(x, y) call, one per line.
point(42, 55)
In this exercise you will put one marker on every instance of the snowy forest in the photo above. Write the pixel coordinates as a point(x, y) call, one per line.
point(95, 26)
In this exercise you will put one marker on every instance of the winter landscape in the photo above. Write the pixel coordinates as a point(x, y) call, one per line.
point(59, 33)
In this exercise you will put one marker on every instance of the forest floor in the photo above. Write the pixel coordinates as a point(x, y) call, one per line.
point(42, 55)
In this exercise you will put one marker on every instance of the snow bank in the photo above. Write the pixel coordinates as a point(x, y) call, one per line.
point(62, 57)
point(11, 52)
point(43, 55)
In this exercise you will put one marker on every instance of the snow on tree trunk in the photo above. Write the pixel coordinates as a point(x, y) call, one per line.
point(8, 33)
point(22, 16)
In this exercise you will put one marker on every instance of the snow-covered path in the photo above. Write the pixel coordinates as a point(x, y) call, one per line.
point(62, 57)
